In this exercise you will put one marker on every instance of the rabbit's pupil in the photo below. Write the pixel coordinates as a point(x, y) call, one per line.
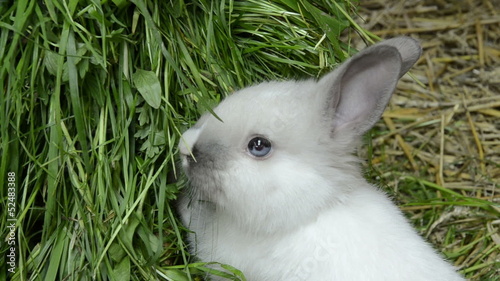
point(259, 146)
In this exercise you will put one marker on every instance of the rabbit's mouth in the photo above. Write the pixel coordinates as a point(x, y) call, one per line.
point(204, 186)
point(205, 172)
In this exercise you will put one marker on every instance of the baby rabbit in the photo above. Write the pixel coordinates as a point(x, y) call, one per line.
point(275, 191)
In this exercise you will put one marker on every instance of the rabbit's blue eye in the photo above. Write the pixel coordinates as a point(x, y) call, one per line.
point(259, 146)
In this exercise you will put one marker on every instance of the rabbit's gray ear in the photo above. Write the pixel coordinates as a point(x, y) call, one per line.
point(359, 90)
point(408, 48)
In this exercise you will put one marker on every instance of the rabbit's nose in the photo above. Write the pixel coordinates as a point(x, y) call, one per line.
point(188, 140)
point(187, 145)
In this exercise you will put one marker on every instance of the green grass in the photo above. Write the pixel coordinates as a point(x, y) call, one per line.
point(94, 96)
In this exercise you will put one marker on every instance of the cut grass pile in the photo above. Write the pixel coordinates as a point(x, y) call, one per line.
point(93, 98)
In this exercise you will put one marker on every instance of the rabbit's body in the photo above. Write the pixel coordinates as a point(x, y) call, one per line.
point(334, 246)
point(276, 192)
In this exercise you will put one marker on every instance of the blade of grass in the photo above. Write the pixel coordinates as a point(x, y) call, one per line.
point(56, 256)
point(75, 99)
point(466, 200)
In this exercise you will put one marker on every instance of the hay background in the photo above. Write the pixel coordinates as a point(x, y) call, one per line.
point(446, 131)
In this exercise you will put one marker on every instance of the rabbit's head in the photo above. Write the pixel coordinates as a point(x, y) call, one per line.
point(278, 153)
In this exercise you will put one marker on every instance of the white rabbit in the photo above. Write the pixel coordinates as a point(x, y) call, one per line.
point(275, 191)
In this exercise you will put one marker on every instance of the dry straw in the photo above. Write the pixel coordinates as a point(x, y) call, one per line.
point(443, 137)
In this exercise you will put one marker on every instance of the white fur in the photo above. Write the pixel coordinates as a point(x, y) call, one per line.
point(303, 212)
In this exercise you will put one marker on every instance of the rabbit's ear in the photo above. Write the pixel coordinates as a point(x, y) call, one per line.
point(408, 48)
point(359, 90)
